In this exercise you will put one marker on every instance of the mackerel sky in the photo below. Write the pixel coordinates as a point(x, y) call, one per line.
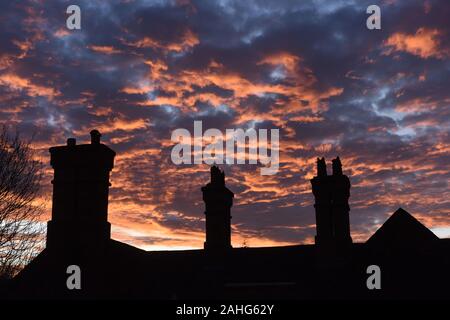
point(137, 70)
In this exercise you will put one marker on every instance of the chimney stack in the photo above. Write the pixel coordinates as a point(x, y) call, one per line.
point(218, 202)
point(331, 195)
point(95, 137)
point(80, 194)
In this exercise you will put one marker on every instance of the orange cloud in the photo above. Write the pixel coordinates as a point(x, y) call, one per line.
point(289, 61)
point(61, 33)
point(6, 61)
point(188, 40)
point(105, 49)
point(140, 89)
point(117, 124)
point(426, 103)
point(16, 82)
point(297, 87)
point(424, 43)
point(306, 119)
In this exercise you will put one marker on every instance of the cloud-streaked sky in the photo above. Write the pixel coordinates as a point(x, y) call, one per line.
point(140, 69)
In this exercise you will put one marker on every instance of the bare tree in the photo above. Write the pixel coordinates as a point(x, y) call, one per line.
point(20, 177)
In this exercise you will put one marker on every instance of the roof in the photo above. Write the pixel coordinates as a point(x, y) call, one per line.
point(402, 231)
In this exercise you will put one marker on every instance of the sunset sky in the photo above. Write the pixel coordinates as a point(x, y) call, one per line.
point(137, 70)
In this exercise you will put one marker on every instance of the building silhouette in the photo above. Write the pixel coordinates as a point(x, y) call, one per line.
point(414, 263)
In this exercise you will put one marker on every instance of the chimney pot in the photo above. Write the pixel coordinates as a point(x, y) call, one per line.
point(71, 142)
point(95, 137)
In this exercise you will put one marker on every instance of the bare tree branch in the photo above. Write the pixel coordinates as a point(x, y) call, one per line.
point(21, 233)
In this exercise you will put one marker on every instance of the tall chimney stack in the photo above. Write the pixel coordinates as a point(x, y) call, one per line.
point(80, 194)
point(218, 201)
point(331, 195)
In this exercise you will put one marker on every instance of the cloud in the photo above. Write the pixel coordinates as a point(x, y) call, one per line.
point(104, 49)
point(424, 43)
point(15, 82)
point(186, 41)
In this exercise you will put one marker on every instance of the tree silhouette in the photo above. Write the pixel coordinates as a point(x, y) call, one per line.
point(20, 177)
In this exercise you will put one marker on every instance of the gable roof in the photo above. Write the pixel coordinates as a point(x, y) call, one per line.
point(401, 230)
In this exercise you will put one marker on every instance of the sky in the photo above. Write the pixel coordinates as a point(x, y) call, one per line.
point(137, 70)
